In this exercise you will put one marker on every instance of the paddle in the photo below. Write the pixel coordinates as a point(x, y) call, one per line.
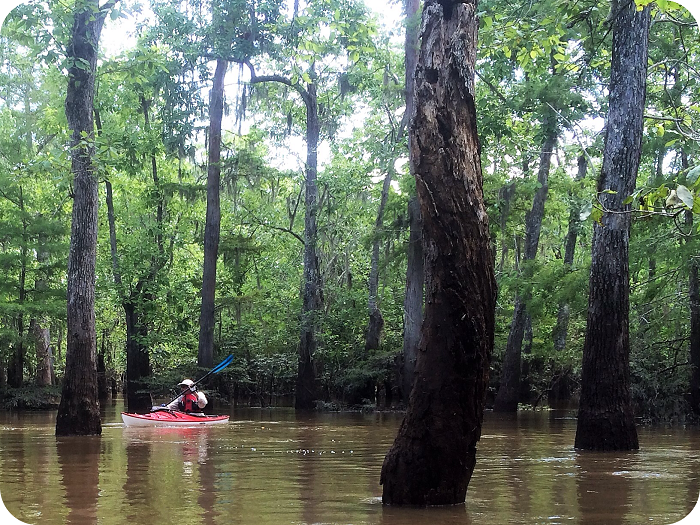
point(218, 368)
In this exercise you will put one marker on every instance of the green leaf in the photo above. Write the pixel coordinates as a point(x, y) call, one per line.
point(692, 176)
point(586, 211)
point(597, 215)
point(685, 195)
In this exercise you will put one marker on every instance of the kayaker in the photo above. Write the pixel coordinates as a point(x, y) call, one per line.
point(190, 400)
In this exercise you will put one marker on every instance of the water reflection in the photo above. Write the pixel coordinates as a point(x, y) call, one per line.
point(455, 515)
point(168, 469)
point(311, 493)
point(273, 467)
point(603, 488)
point(78, 458)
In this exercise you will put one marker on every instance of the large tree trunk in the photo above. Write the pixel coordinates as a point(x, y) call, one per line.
point(413, 301)
point(605, 418)
point(433, 456)
point(311, 289)
point(509, 390)
point(205, 355)
point(79, 410)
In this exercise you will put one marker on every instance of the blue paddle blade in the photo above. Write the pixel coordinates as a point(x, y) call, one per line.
point(222, 365)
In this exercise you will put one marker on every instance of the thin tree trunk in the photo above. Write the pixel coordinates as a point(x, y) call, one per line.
point(509, 390)
point(311, 294)
point(433, 456)
point(413, 301)
point(562, 388)
point(40, 325)
point(205, 355)
point(79, 409)
point(137, 357)
point(376, 321)
point(505, 195)
point(15, 370)
point(605, 418)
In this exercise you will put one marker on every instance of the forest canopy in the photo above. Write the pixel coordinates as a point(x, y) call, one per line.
point(542, 70)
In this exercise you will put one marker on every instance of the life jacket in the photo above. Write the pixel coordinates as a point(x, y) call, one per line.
point(188, 402)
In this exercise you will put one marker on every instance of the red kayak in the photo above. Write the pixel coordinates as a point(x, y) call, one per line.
point(171, 418)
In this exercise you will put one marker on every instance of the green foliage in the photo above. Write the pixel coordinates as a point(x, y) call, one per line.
point(539, 65)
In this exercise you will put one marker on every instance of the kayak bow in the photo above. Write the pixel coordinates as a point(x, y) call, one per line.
point(170, 418)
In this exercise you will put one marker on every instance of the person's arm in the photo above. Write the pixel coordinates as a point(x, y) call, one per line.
point(174, 404)
point(201, 400)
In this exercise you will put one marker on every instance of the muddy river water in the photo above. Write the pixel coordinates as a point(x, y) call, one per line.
point(272, 467)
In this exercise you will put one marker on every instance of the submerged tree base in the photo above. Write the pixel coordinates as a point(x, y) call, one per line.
point(606, 431)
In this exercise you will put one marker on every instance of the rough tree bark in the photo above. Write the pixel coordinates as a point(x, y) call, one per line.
point(79, 409)
point(212, 228)
point(413, 301)
point(605, 418)
point(433, 456)
point(509, 390)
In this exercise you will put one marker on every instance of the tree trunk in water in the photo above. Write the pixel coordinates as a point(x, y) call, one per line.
point(79, 409)
point(605, 418)
point(311, 289)
point(413, 301)
point(433, 456)
point(205, 355)
point(509, 390)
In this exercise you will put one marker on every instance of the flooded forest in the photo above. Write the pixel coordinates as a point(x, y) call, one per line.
point(454, 242)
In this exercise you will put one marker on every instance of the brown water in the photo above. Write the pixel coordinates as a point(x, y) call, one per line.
point(272, 467)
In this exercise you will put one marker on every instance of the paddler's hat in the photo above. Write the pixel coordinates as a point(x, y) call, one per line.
point(186, 382)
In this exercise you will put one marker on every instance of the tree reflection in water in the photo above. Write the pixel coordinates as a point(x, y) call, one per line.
point(78, 458)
